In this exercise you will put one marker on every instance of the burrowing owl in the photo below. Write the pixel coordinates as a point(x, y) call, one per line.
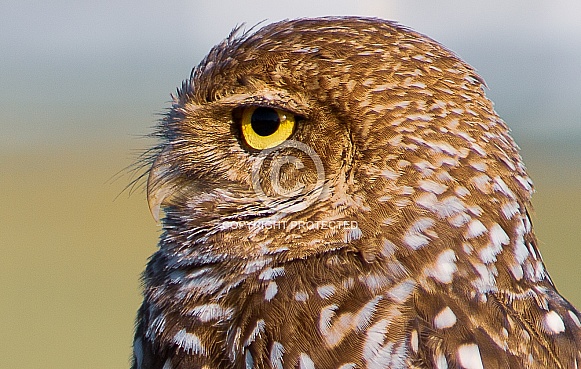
point(339, 193)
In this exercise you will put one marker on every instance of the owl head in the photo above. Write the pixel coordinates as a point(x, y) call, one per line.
point(347, 133)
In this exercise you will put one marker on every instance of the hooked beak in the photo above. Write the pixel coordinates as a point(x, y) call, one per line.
point(160, 186)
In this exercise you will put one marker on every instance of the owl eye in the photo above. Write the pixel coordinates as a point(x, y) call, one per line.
point(264, 127)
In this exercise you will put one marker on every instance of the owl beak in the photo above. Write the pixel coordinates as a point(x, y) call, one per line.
point(159, 186)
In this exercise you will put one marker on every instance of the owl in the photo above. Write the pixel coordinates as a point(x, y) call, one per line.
point(338, 193)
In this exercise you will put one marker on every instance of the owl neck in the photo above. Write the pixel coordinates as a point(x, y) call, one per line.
point(246, 304)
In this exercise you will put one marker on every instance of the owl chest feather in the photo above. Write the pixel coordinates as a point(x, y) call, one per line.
point(339, 311)
point(333, 310)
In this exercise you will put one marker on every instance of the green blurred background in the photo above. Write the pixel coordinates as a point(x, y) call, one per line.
point(81, 84)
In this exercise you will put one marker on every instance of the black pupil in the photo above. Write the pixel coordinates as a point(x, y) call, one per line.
point(265, 121)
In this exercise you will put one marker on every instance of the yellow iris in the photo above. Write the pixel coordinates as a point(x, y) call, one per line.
point(263, 127)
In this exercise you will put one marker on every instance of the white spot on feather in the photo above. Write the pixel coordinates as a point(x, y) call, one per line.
point(487, 281)
point(255, 265)
point(271, 273)
point(502, 187)
point(276, 353)
point(510, 208)
point(445, 318)
point(388, 248)
point(444, 208)
point(206, 284)
point(364, 315)
point(553, 323)
point(482, 183)
point(419, 116)
point(414, 341)
point(348, 366)
point(209, 312)
point(326, 291)
point(431, 186)
point(305, 362)
point(417, 84)
point(352, 234)
point(440, 361)
point(402, 291)
point(258, 329)
point(414, 237)
point(375, 337)
point(467, 248)
point(525, 182)
point(479, 165)
point(521, 252)
point(459, 220)
point(427, 200)
point(416, 241)
point(189, 342)
point(475, 210)
point(449, 206)
point(498, 237)
point(575, 318)
point(301, 296)
point(156, 326)
point(271, 291)
point(444, 268)
point(334, 333)
point(517, 271)
point(469, 356)
point(461, 191)
point(375, 281)
point(475, 229)
point(390, 173)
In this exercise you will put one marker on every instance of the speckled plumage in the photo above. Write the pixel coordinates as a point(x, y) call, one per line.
point(423, 255)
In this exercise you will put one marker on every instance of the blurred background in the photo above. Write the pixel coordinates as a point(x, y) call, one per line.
point(82, 82)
